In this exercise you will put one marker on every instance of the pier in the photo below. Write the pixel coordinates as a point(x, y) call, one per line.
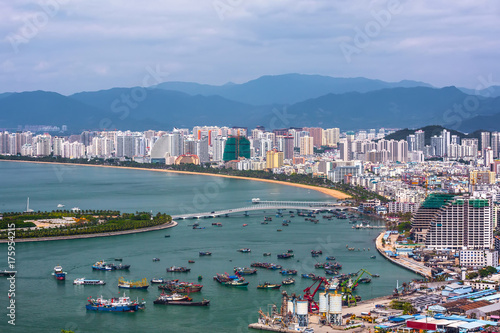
point(265, 205)
point(404, 262)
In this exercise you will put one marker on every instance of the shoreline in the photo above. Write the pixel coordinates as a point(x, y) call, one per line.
point(101, 234)
point(330, 192)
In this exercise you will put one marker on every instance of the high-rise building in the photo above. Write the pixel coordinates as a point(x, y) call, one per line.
point(274, 159)
point(219, 145)
point(495, 143)
point(445, 142)
point(331, 137)
point(485, 140)
point(306, 146)
point(462, 222)
point(419, 140)
point(236, 147)
point(317, 134)
point(412, 142)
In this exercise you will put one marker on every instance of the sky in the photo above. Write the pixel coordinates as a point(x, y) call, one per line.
point(69, 46)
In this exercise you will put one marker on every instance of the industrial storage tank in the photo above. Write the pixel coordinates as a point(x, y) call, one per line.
point(335, 303)
point(302, 307)
point(323, 303)
point(291, 307)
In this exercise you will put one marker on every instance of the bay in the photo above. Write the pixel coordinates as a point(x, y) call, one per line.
point(49, 305)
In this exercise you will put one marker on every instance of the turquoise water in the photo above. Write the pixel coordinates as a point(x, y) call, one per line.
point(49, 305)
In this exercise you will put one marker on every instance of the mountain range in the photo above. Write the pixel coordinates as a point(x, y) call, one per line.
point(291, 100)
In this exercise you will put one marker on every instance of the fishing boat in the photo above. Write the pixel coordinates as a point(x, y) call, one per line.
point(288, 281)
point(58, 273)
point(330, 258)
point(158, 280)
point(309, 276)
point(331, 272)
point(236, 283)
point(117, 304)
point(285, 255)
point(230, 280)
point(266, 254)
point(178, 269)
point(288, 272)
point(318, 252)
point(267, 285)
point(156, 259)
point(181, 287)
point(365, 280)
point(375, 275)
point(142, 284)
point(87, 282)
point(191, 261)
point(245, 270)
point(165, 298)
point(103, 266)
point(245, 250)
point(268, 218)
point(205, 253)
point(279, 230)
point(319, 265)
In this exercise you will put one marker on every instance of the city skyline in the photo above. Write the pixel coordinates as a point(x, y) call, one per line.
point(76, 46)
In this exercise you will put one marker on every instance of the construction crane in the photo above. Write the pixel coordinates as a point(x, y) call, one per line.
point(348, 285)
point(313, 306)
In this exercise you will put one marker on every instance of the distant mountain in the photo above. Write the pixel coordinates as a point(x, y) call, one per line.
point(429, 131)
point(285, 89)
point(486, 122)
point(493, 91)
point(397, 107)
point(169, 108)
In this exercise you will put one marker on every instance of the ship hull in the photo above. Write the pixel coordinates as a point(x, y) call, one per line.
point(127, 308)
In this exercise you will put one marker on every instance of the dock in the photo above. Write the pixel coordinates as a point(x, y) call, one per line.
point(404, 262)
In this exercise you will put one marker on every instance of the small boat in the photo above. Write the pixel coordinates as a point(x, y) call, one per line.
point(246, 224)
point(86, 282)
point(268, 218)
point(330, 258)
point(158, 281)
point(103, 266)
point(309, 276)
point(375, 275)
point(266, 254)
point(245, 270)
point(288, 281)
point(156, 259)
point(165, 298)
point(284, 224)
point(288, 272)
point(60, 205)
point(59, 274)
point(331, 272)
point(178, 269)
point(167, 236)
point(245, 250)
point(267, 285)
point(365, 280)
point(290, 251)
point(142, 284)
point(236, 283)
point(200, 277)
point(118, 259)
point(373, 257)
point(285, 255)
point(313, 252)
point(264, 222)
point(165, 301)
point(196, 227)
point(118, 304)
point(279, 230)
point(181, 287)
point(205, 253)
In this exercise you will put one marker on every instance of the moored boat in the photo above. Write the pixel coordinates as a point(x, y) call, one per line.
point(58, 273)
point(285, 255)
point(288, 272)
point(205, 253)
point(180, 287)
point(117, 304)
point(267, 285)
point(156, 259)
point(88, 282)
point(245, 270)
point(142, 284)
point(266, 254)
point(158, 280)
point(288, 281)
point(373, 257)
point(178, 269)
point(244, 250)
point(309, 276)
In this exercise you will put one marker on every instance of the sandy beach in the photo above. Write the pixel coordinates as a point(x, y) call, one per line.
point(333, 193)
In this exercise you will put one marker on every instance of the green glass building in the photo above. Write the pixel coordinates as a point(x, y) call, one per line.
point(236, 147)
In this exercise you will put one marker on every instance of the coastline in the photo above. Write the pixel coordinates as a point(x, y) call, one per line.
point(333, 193)
point(101, 234)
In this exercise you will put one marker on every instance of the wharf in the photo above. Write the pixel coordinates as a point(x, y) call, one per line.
point(404, 262)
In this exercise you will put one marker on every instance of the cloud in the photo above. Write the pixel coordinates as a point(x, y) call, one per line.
point(91, 45)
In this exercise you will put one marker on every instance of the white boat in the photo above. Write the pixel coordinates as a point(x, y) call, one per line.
point(60, 205)
point(75, 209)
point(83, 281)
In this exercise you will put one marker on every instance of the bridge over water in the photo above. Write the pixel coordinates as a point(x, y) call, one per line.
point(264, 205)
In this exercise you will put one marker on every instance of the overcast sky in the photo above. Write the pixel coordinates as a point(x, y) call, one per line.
point(76, 45)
